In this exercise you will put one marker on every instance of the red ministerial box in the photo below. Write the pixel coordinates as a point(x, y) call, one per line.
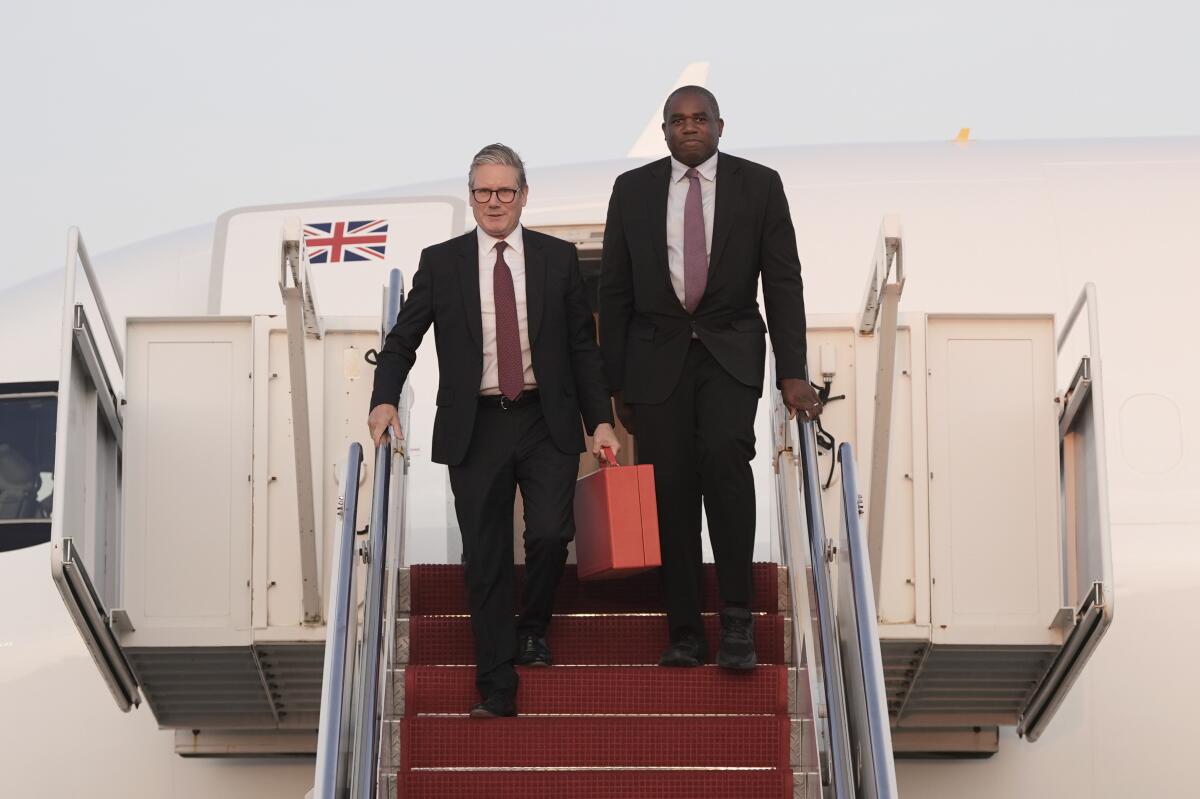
point(616, 521)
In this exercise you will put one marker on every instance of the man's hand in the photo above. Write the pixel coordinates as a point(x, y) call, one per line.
point(605, 436)
point(382, 417)
point(624, 412)
point(800, 397)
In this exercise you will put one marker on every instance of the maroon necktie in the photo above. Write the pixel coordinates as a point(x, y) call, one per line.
point(695, 250)
point(508, 336)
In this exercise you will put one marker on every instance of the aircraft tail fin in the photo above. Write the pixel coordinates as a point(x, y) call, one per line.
point(651, 144)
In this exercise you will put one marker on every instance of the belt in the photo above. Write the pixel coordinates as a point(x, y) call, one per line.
point(527, 397)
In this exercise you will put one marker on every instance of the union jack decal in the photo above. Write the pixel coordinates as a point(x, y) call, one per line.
point(336, 242)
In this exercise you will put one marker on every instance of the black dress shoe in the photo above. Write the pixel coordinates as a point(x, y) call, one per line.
point(737, 640)
point(498, 705)
point(532, 650)
point(685, 653)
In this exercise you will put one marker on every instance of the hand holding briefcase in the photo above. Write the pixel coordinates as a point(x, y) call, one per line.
point(616, 521)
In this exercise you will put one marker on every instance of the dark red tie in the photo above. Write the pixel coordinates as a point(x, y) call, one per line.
point(508, 336)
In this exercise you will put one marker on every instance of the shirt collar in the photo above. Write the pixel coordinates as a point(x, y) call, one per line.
point(707, 170)
point(487, 244)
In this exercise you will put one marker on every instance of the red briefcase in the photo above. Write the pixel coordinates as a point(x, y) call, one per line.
point(616, 521)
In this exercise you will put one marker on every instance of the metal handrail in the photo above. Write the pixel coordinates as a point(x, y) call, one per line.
point(858, 761)
point(876, 767)
point(333, 740)
point(1091, 595)
point(77, 251)
point(348, 750)
point(1087, 300)
point(367, 680)
point(841, 766)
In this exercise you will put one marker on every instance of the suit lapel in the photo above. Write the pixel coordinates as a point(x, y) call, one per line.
point(729, 190)
point(535, 284)
point(468, 278)
point(656, 211)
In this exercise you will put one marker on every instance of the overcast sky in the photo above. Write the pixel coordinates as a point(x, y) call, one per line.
point(133, 119)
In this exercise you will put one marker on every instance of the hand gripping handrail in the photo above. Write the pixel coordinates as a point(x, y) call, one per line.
point(841, 766)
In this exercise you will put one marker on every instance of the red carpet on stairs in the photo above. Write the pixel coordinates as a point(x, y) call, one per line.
point(600, 690)
point(625, 640)
point(603, 722)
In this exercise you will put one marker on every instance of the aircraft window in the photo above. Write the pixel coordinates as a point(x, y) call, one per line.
point(26, 468)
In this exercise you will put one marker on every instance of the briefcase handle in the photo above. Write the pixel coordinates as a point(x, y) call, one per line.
point(607, 458)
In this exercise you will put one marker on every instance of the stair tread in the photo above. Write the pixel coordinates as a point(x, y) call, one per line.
point(772, 784)
point(584, 640)
point(438, 588)
point(640, 742)
point(584, 690)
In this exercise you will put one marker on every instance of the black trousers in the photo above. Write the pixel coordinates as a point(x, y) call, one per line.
point(701, 441)
point(511, 448)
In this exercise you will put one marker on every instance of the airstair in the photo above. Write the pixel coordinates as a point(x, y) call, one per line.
point(605, 720)
point(220, 566)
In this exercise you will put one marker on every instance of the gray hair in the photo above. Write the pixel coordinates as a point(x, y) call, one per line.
point(499, 154)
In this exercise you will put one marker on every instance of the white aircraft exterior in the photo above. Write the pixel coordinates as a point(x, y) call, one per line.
point(988, 228)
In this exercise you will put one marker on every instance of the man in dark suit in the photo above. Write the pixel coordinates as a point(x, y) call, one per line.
point(518, 366)
point(686, 240)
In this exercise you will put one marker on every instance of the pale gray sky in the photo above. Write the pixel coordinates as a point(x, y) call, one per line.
point(134, 118)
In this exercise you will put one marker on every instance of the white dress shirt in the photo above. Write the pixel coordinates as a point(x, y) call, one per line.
point(514, 256)
point(676, 199)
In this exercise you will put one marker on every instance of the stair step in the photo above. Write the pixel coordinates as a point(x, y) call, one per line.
point(586, 690)
point(773, 784)
point(610, 741)
point(438, 589)
point(582, 640)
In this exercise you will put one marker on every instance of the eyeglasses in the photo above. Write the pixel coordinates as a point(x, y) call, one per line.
point(483, 196)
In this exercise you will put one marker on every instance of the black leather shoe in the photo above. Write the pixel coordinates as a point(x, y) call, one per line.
point(737, 640)
point(685, 653)
point(532, 650)
point(498, 705)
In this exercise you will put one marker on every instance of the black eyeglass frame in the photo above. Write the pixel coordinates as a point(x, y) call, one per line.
point(487, 195)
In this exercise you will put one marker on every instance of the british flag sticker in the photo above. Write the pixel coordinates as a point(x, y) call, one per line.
point(340, 242)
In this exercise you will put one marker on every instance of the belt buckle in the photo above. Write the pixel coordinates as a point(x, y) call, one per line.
point(504, 406)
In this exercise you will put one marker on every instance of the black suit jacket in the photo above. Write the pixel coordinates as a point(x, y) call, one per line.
point(566, 362)
point(645, 330)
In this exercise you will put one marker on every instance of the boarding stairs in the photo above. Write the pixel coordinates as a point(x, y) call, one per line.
point(604, 720)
